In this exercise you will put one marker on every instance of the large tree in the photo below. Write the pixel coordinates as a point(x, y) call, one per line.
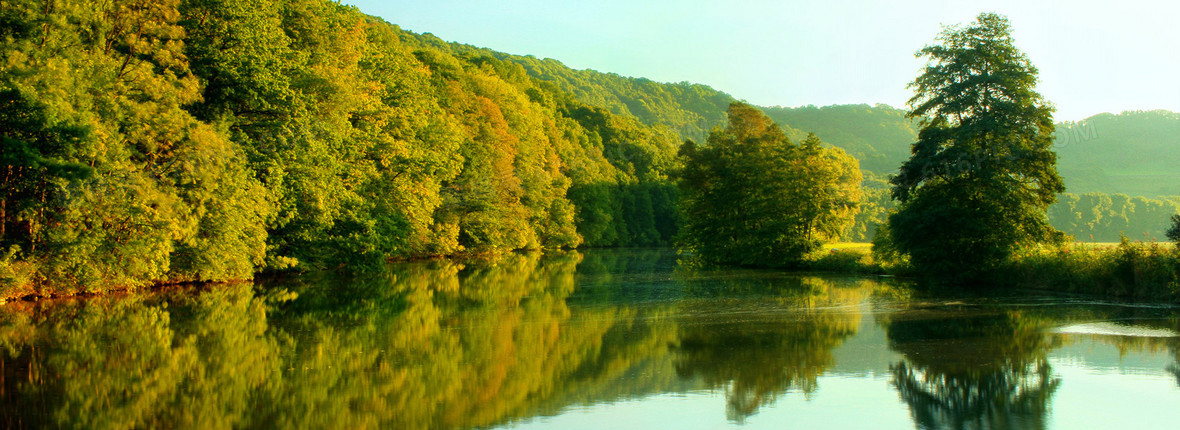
point(752, 197)
point(982, 173)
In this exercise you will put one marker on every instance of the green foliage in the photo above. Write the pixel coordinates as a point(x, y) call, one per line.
point(875, 206)
point(1132, 270)
point(982, 172)
point(109, 180)
point(1173, 232)
point(843, 260)
point(199, 140)
point(1096, 217)
point(752, 197)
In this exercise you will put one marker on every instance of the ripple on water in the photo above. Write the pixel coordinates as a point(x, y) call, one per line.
point(1108, 328)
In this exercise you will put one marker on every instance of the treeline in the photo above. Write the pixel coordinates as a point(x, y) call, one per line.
point(172, 141)
point(1089, 217)
point(1097, 217)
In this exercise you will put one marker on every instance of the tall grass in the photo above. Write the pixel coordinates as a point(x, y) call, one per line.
point(1127, 270)
point(1133, 270)
point(859, 258)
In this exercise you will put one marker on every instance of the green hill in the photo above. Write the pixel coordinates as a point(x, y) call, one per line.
point(879, 136)
point(1134, 153)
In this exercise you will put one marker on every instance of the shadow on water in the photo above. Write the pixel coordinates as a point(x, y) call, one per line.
point(480, 343)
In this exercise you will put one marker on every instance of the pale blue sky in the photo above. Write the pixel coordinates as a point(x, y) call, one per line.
point(1094, 56)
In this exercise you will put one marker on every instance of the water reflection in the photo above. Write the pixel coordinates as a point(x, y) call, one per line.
point(445, 344)
point(761, 350)
point(972, 368)
point(121, 362)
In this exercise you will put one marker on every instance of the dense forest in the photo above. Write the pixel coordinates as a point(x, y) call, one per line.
point(149, 142)
point(190, 140)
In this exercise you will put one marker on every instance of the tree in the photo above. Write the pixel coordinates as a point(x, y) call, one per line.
point(1173, 232)
point(752, 197)
point(982, 173)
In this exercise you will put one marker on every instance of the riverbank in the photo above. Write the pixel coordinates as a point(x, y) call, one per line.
point(19, 280)
point(1142, 271)
point(1147, 271)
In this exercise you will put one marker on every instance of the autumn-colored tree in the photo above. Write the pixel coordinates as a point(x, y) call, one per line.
point(753, 197)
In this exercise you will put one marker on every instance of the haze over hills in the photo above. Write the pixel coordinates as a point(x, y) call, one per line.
point(1117, 167)
point(1130, 153)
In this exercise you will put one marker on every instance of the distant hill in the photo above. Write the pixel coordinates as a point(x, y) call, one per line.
point(1107, 160)
point(689, 109)
point(1134, 153)
point(879, 136)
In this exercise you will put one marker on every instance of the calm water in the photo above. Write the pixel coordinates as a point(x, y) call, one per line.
point(598, 339)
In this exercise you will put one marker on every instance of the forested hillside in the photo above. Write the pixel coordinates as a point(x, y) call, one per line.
point(691, 110)
point(1132, 153)
point(148, 142)
point(879, 136)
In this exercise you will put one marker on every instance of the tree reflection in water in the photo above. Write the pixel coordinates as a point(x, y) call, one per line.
point(440, 344)
point(984, 371)
point(424, 345)
point(764, 348)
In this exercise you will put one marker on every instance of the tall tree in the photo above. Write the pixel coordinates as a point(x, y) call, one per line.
point(753, 197)
point(982, 173)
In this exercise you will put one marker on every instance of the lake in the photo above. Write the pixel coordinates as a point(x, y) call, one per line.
point(592, 339)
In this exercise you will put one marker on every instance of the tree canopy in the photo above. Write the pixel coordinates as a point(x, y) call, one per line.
point(750, 196)
point(195, 140)
point(982, 172)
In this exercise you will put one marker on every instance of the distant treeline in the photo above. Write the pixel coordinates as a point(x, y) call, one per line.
point(1097, 217)
point(1089, 217)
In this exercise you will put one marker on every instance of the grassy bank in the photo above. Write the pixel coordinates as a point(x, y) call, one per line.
point(1148, 271)
point(846, 257)
point(1128, 270)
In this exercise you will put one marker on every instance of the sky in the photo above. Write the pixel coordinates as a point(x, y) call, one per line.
point(1093, 56)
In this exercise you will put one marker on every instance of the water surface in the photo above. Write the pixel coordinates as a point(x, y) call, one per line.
point(596, 339)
